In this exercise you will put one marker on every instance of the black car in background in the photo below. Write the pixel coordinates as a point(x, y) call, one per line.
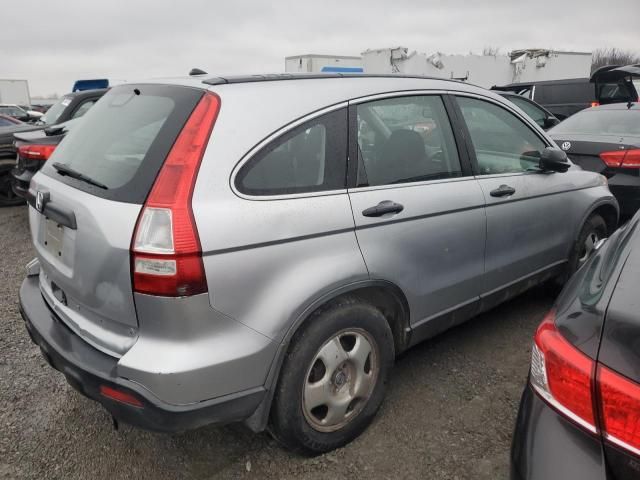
point(33, 149)
point(563, 98)
point(543, 117)
point(606, 139)
point(579, 416)
point(70, 106)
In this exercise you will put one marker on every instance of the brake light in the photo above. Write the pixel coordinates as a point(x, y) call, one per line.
point(567, 380)
point(620, 409)
point(166, 252)
point(562, 375)
point(36, 152)
point(622, 158)
point(595, 104)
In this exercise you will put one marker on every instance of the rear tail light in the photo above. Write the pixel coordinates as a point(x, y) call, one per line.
point(622, 158)
point(166, 252)
point(562, 374)
point(595, 104)
point(619, 409)
point(593, 396)
point(36, 152)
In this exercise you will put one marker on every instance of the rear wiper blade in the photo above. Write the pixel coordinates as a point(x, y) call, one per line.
point(65, 170)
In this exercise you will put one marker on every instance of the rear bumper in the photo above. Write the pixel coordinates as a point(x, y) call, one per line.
point(87, 369)
point(547, 446)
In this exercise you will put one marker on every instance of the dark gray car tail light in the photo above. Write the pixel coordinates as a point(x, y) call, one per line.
point(622, 158)
point(166, 256)
point(588, 393)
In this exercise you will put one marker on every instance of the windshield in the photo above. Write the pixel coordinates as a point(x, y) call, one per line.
point(602, 122)
point(52, 115)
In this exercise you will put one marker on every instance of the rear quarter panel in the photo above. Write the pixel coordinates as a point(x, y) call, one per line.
point(268, 258)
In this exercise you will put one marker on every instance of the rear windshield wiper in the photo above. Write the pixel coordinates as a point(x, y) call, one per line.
point(62, 169)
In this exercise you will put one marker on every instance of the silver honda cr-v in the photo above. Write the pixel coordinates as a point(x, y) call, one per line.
point(259, 249)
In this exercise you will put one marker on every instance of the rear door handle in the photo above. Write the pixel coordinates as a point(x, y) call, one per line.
point(384, 207)
point(503, 191)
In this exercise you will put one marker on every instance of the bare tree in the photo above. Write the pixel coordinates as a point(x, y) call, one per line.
point(490, 51)
point(612, 56)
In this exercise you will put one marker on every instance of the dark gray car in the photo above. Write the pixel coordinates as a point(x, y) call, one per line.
point(260, 248)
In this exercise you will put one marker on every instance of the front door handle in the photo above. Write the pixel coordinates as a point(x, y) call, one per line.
point(384, 207)
point(503, 191)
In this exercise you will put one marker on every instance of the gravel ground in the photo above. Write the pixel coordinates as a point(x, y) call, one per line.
point(449, 411)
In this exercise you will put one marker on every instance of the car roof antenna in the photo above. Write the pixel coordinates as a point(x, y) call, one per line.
point(197, 71)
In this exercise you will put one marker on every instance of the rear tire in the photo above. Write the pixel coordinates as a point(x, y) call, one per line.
point(7, 196)
point(333, 379)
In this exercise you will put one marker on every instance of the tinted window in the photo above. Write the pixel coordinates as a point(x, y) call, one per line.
point(502, 142)
point(5, 123)
point(310, 158)
point(406, 139)
point(598, 121)
point(124, 139)
point(535, 113)
point(561, 93)
point(82, 109)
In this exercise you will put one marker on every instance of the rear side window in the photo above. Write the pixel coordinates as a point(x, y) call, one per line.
point(124, 139)
point(562, 93)
point(309, 158)
point(403, 140)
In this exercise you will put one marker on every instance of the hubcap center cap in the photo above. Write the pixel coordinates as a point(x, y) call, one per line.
point(340, 379)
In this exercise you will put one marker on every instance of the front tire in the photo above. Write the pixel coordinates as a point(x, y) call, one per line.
point(333, 379)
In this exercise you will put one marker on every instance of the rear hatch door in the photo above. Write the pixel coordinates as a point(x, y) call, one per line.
point(616, 84)
point(86, 201)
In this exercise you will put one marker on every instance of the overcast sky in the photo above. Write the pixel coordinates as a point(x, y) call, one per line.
point(52, 43)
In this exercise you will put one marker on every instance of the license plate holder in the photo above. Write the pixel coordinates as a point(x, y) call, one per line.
point(54, 238)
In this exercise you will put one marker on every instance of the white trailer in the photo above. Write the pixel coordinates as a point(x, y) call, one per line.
point(15, 92)
point(313, 63)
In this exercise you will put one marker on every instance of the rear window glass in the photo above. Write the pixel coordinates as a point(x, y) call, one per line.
point(56, 110)
point(602, 122)
point(124, 139)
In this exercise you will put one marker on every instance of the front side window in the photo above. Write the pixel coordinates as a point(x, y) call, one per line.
point(309, 158)
point(405, 139)
point(536, 114)
point(502, 142)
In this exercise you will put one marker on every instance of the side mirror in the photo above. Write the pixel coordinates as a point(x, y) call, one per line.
point(550, 122)
point(552, 159)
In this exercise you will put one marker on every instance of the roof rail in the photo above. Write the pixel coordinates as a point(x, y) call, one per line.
point(310, 76)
